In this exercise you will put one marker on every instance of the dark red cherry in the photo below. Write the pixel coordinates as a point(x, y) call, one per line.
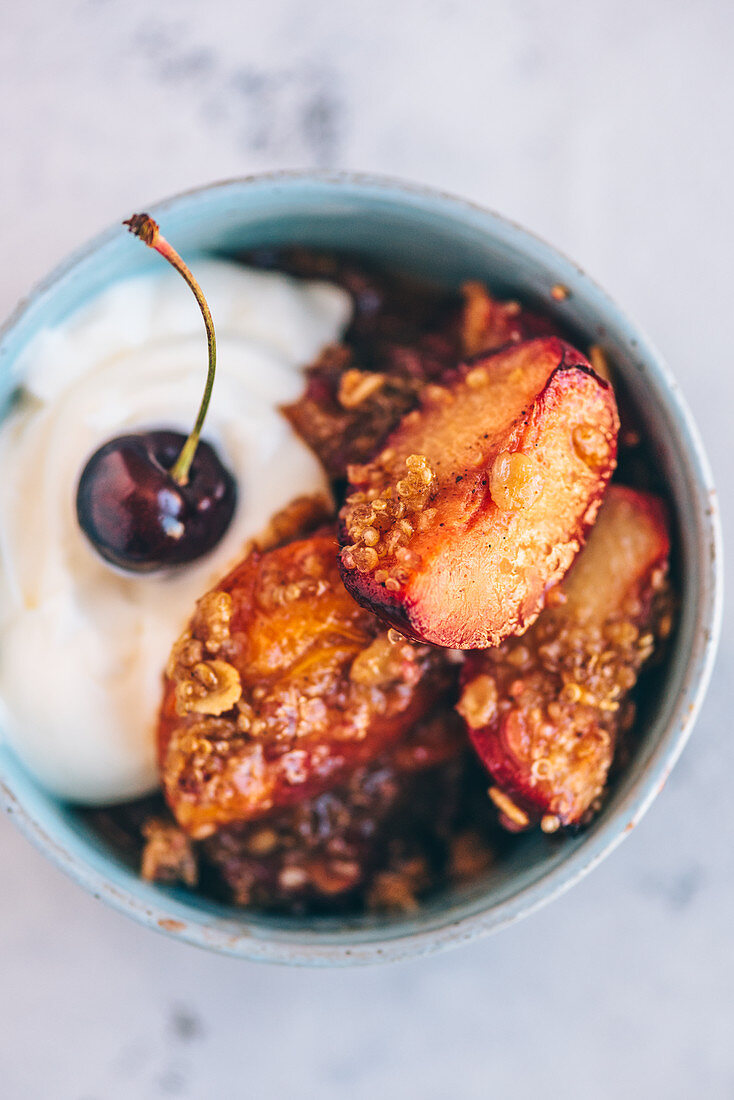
point(159, 498)
point(138, 517)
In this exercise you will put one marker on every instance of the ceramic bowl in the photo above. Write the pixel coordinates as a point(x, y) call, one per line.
point(446, 240)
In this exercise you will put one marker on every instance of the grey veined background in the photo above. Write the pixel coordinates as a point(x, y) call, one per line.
point(606, 127)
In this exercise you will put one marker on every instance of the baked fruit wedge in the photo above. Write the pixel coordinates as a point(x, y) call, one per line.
point(544, 711)
point(280, 685)
point(481, 498)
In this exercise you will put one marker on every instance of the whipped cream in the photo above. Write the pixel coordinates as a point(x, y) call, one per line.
point(83, 646)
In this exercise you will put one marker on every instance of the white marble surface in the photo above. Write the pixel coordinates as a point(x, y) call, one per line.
point(606, 127)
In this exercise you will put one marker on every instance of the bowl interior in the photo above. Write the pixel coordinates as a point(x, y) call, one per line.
point(445, 241)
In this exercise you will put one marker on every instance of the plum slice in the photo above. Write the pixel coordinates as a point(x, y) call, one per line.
point(481, 498)
point(280, 685)
point(544, 711)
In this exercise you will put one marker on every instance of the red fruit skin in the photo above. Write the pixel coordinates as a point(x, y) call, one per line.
point(616, 592)
point(467, 591)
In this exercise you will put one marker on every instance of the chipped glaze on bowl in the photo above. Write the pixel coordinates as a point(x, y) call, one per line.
point(447, 240)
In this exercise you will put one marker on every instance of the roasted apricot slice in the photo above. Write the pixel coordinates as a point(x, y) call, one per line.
point(544, 711)
point(481, 498)
point(280, 685)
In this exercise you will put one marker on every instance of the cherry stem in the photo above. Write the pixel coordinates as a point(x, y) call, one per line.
point(143, 227)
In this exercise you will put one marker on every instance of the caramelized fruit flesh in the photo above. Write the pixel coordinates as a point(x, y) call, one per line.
point(481, 498)
point(280, 686)
point(544, 711)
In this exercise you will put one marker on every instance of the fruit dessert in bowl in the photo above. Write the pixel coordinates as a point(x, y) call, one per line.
point(404, 633)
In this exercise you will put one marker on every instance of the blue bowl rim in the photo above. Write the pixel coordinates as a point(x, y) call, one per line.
point(165, 913)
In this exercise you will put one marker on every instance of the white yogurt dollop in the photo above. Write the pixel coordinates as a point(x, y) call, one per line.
point(82, 646)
